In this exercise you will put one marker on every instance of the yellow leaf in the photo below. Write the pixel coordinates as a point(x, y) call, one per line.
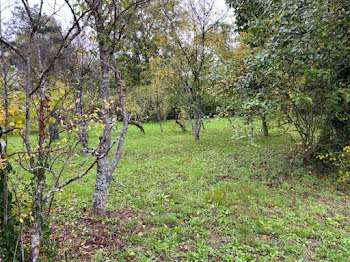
point(52, 120)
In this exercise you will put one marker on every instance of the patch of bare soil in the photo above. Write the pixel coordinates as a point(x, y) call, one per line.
point(83, 237)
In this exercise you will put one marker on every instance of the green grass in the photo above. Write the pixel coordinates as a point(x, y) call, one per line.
point(216, 199)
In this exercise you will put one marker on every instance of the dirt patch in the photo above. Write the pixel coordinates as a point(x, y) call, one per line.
point(331, 203)
point(87, 235)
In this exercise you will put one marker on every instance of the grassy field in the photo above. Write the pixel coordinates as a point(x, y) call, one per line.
point(216, 199)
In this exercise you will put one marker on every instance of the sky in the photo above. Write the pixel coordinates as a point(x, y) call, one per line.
point(63, 13)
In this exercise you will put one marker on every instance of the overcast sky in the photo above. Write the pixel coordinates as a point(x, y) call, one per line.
point(63, 13)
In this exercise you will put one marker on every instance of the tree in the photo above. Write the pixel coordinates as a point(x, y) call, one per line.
point(146, 100)
point(188, 52)
point(35, 68)
point(298, 47)
point(111, 21)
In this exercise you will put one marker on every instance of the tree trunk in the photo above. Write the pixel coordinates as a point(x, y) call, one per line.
point(53, 128)
point(103, 174)
point(138, 125)
point(4, 174)
point(264, 126)
point(121, 140)
point(160, 125)
point(197, 123)
point(196, 131)
point(158, 114)
point(6, 195)
point(37, 214)
point(196, 135)
point(84, 138)
point(183, 128)
point(177, 121)
point(38, 171)
point(82, 133)
point(3, 148)
point(103, 182)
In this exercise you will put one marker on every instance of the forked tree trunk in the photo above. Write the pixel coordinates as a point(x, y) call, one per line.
point(195, 124)
point(104, 169)
point(196, 129)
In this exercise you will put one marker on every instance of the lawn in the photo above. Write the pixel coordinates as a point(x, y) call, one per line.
point(216, 199)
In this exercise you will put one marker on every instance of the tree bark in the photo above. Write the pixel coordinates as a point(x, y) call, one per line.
point(3, 172)
point(6, 196)
point(122, 137)
point(197, 123)
point(39, 172)
point(37, 215)
point(160, 122)
point(82, 133)
point(183, 128)
point(103, 182)
point(103, 173)
point(53, 128)
point(159, 118)
point(177, 120)
point(264, 126)
point(138, 125)
point(3, 148)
